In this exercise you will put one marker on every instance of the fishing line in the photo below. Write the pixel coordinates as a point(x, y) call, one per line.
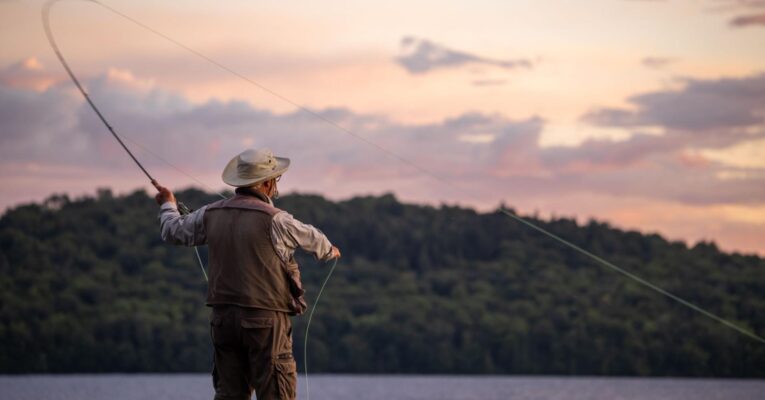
point(201, 264)
point(308, 325)
point(427, 172)
point(637, 278)
point(173, 166)
point(264, 88)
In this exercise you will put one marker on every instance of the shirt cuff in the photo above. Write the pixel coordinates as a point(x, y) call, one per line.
point(329, 253)
point(168, 205)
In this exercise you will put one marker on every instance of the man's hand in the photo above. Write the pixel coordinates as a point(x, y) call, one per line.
point(334, 253)
point(164, 194)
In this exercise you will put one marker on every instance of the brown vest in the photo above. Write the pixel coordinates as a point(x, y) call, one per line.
point(245, 269)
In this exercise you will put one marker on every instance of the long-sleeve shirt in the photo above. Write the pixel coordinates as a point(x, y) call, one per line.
point(287, 233)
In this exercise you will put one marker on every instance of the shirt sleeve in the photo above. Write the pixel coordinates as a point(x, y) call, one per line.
point(188, 230)
point(289, 234)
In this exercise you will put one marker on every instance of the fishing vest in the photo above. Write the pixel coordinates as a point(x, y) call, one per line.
point(245, 269)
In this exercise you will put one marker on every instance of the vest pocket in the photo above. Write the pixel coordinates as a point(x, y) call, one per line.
point(298, 304)
point(286, 375)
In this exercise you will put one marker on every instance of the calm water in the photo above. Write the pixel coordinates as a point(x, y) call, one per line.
point(379, 387)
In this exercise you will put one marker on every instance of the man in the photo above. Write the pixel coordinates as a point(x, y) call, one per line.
point(254, 281)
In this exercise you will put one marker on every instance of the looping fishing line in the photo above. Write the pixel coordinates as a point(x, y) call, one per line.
point(407, 162)
point(308, 325)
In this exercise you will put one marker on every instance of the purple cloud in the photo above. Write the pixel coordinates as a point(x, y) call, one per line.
point(657, 62)
point(737, 5)
point(701, 106)
point(748, 20)
point(421, 55)
point(495, 155)
point(751, 9)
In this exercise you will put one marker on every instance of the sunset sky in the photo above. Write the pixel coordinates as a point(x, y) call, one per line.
point(647, 114)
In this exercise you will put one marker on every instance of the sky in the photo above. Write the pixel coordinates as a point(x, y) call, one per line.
point(649, 115)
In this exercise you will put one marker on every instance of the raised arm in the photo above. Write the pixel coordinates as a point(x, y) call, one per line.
point(188, 230)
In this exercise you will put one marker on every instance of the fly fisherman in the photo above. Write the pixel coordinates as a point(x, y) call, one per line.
point(254, 280)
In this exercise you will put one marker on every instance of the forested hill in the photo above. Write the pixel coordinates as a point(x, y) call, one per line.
point(86, 285)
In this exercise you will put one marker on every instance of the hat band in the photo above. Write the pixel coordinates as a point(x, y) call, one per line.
point(251, 171)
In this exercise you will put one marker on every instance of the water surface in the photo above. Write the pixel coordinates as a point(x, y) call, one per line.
point(385, 387)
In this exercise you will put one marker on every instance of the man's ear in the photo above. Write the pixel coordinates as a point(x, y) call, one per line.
point(269, 185)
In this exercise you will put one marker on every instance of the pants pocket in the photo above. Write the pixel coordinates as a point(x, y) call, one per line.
point(258, 333)
point(216, 324)
point(285, 370)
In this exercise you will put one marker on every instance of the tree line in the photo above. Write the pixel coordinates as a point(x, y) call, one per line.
point(86, 285)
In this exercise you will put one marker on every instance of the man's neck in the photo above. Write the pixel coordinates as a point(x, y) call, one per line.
point(251, 191)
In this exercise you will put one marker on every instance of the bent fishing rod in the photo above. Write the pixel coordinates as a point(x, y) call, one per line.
point(52, 42)
point(182, 208)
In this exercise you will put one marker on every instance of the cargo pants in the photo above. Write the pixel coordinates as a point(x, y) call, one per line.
point(253, 352)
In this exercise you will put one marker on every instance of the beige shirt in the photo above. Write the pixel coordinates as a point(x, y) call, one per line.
point(287, 233)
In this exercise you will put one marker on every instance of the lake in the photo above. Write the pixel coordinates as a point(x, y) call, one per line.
point(379, 387)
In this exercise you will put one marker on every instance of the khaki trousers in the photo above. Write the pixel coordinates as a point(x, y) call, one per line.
point(253, 352)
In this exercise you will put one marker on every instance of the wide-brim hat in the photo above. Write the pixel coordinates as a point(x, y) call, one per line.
point(253, 166)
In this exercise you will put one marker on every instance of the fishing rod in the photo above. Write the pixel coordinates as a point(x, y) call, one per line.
point(182, 208)
point(52, 42)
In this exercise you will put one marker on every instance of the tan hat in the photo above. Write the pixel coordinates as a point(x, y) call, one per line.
point(253, 166)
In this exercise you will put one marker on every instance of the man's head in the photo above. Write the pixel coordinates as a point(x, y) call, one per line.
point(257, 168)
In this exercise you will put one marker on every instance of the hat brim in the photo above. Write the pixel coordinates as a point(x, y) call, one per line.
point(231, 177)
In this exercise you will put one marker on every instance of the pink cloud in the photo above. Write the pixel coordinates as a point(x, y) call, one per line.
point(693, 160)
point(27, 74)
point(748, 20)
